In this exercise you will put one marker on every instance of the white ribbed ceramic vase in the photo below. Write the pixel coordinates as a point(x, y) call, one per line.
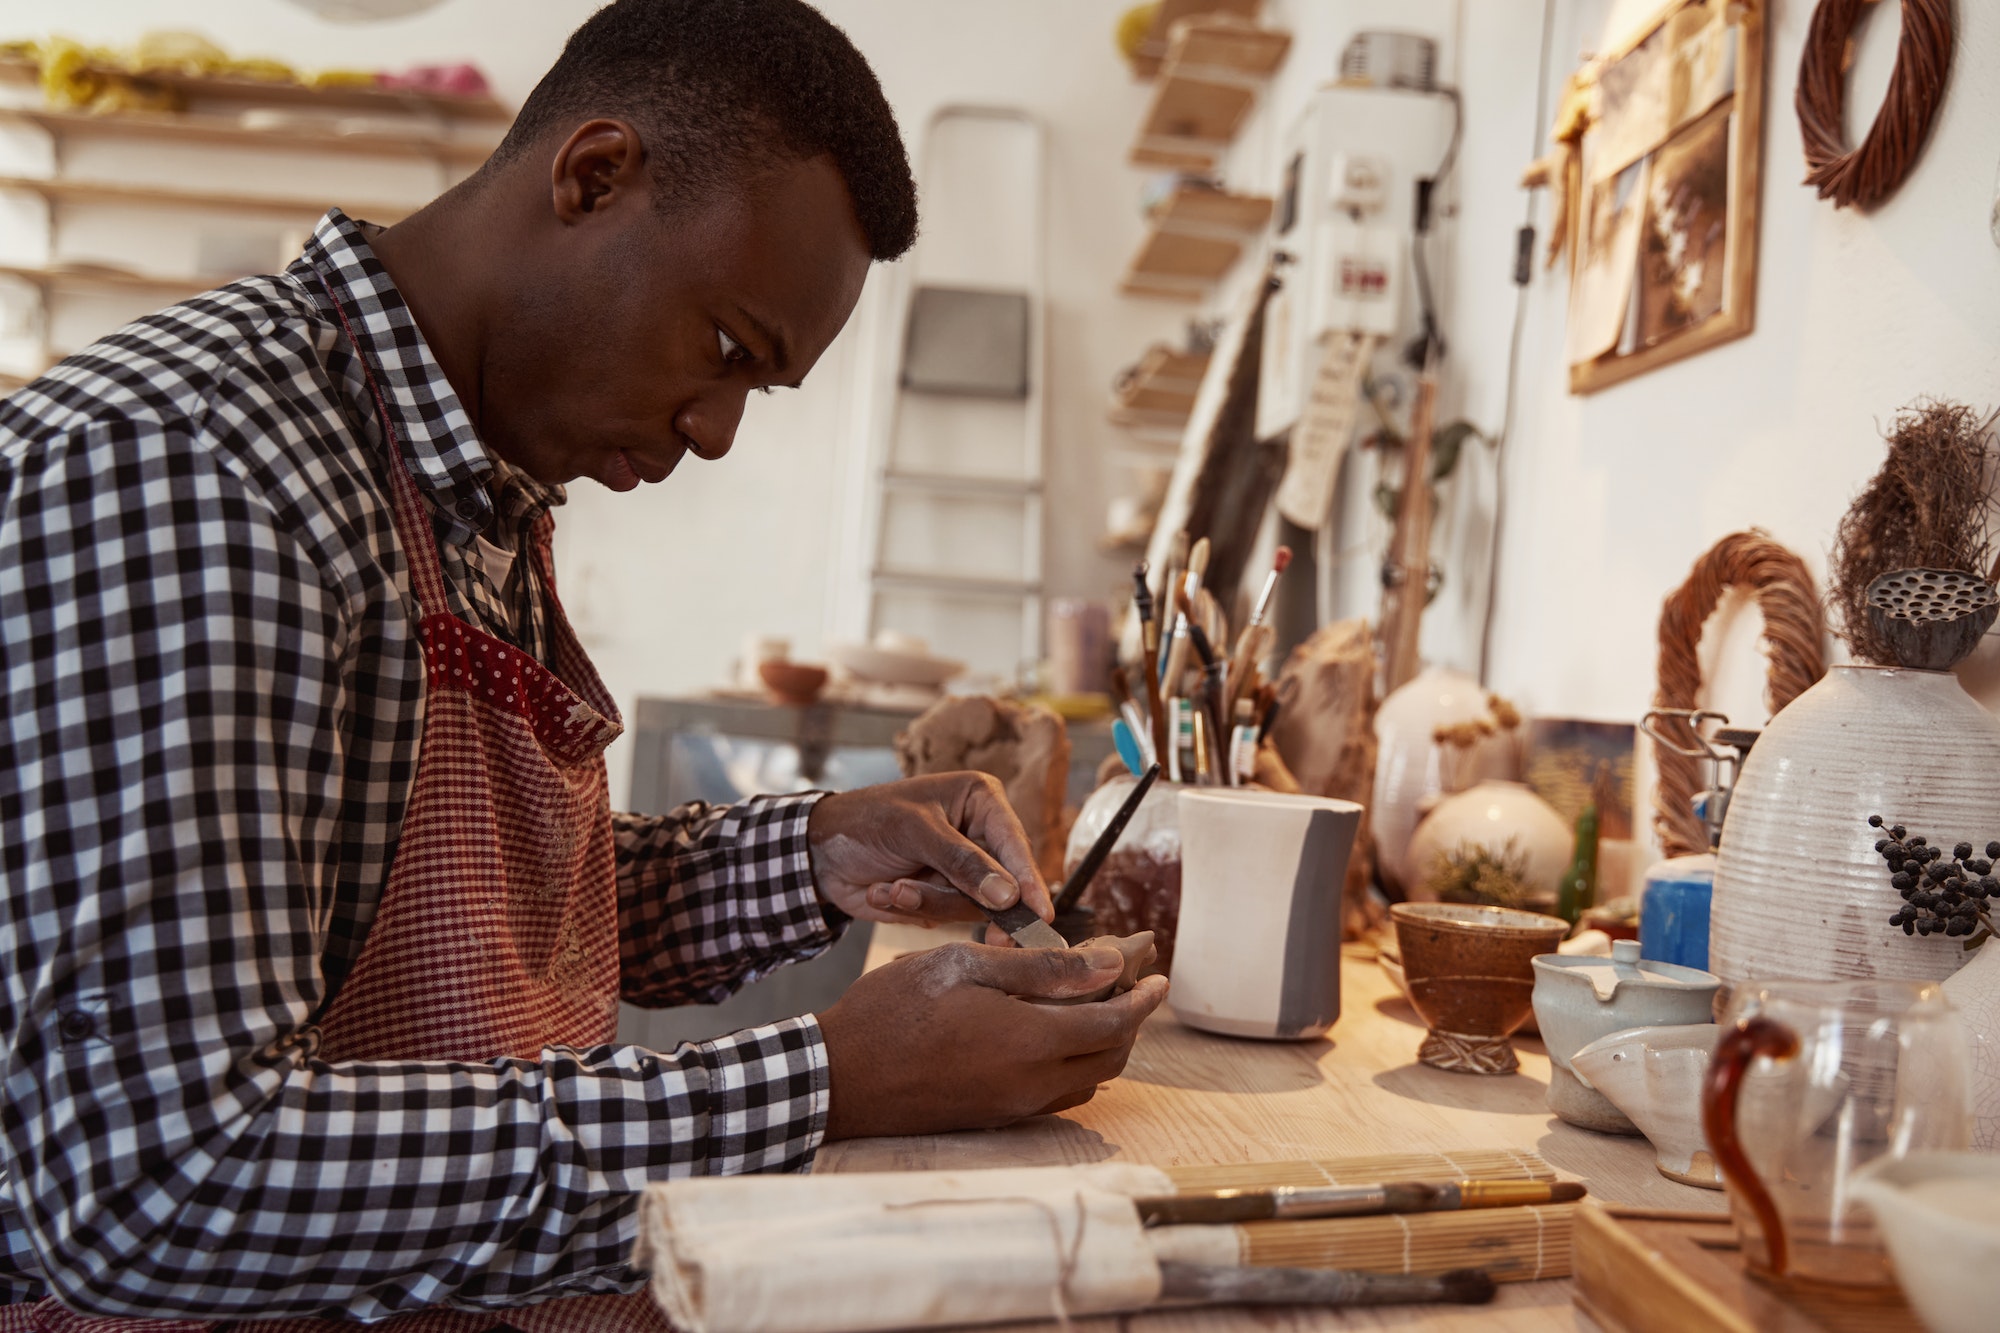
point(1799, 889)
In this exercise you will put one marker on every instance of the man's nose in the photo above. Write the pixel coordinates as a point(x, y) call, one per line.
point(710, 423)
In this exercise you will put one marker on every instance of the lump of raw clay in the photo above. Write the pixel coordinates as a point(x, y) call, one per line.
point(1139, 958)
point(1027, 748)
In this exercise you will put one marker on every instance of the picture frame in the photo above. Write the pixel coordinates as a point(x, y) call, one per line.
point(1666, 187)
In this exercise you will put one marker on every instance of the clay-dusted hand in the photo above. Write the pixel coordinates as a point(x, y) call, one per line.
point(911, 850)
point(953, 1038)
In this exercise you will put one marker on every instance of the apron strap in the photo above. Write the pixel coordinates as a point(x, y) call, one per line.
point(413, 527)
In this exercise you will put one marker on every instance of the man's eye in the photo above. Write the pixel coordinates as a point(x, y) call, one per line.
point(732, 351)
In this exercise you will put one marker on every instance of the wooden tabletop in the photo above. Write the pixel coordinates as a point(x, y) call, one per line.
point(1190, 1098)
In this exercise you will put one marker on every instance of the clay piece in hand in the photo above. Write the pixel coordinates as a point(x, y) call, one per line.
point(1139, 954)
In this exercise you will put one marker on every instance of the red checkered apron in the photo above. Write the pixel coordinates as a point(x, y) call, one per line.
point(497, 934)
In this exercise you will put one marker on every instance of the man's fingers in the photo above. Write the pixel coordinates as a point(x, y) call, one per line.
point(915, 897)
point(1051, 974)
point(1070, 1100)
point(989, 818)
point(1087, 1029)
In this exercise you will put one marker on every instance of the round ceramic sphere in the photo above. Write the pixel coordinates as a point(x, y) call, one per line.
point(1505, 820)
point(1409, 764)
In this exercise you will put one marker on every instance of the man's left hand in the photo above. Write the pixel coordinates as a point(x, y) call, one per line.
point(913, 850)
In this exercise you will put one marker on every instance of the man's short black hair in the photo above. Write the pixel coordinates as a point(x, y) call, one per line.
point(716, 87)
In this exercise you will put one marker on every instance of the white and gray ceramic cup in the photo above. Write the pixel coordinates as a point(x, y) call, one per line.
point(1258, 951)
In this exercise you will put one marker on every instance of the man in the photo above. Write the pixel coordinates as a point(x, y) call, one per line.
point(315, 920)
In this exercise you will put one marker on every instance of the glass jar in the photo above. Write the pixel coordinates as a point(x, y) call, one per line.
point(1139, 885)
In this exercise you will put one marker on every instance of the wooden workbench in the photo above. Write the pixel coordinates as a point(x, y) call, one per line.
point(1187, 1097)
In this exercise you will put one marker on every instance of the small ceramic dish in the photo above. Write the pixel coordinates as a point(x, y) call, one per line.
point(1578, 1000)
point(1939, 1213)
point(1653, 1076)
point(1471, 978)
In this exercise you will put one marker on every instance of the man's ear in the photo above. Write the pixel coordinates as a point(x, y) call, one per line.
point(599, 166)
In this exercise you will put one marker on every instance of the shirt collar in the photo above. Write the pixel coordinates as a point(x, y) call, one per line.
point(444, 453)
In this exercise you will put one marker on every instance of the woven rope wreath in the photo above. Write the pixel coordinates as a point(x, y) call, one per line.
point(1867, 175)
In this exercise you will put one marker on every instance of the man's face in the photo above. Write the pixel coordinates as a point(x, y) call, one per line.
point(641, 336)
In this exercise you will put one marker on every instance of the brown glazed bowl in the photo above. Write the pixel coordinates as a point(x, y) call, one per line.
point(791, 682)
point(1472, 978)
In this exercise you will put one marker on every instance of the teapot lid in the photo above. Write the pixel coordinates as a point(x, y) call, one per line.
point(1626, 967)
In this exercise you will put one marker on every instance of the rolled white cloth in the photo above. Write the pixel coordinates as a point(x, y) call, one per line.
point(890, 1250)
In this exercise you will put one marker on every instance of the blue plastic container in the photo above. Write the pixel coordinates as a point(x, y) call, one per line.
point(1673, 915)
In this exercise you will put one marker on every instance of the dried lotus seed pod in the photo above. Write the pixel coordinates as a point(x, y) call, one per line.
point(1932, 618)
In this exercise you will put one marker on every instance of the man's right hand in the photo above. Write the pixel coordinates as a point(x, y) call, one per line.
point(942, 1040)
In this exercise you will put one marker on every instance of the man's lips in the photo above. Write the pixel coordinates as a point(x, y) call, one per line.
point(624, 471)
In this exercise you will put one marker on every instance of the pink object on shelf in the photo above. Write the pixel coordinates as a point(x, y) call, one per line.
point(461, 80)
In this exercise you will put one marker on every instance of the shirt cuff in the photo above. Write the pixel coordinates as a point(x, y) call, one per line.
point(770, 1095)
point(773, 871)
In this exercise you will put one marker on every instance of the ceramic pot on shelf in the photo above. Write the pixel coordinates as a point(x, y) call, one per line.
point(1799, 889)
point(1410, 765)
point(1506, 821)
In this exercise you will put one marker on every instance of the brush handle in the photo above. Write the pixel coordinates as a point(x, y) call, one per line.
point(1093, 860)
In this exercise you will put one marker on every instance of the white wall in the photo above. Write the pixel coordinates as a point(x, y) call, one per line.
point(1611, 497)
point(665, 583)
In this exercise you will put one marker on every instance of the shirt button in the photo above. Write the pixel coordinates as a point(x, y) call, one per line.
point(468, 508)
point(76, 1026)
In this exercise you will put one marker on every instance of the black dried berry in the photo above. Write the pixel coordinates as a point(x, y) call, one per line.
point(1961, 850)
point(1909, 927)
point(1881, 845)
point(1902, 881)
point(1980, 866)
point(1918, 841)
point(1874, 821)
point(1993, 850)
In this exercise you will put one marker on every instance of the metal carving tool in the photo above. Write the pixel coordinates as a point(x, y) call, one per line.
point(1291, 1201)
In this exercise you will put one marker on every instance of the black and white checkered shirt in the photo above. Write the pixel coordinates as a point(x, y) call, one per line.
point(213, 700)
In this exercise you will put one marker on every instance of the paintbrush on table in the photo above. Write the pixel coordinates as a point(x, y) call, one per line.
point(1214, 1284)
point(1293, 1201)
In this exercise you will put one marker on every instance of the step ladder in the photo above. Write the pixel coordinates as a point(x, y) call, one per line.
point(956, 554)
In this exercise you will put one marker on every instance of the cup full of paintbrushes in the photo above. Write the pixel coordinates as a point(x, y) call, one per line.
point(1262, 874)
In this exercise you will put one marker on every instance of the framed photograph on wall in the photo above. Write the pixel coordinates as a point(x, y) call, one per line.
point(1663, 240)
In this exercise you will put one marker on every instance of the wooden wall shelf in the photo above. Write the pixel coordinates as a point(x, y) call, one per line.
point(1197, 236)
point(1153, 46)
point(197, 88)
point(1208, 83)
point(1160, 393)
point(84, 277)
point(191, 128)
point(60, 191)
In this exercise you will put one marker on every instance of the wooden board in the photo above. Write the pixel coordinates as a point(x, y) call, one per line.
point(108, 279)
point(60, 190)
point(1162, 386)
point(1189, 1099)
point(223, 130)
point(1153, 46)
point(1196, 237)
point(1207, 86)
point(1651, 1271)
point(228, 89)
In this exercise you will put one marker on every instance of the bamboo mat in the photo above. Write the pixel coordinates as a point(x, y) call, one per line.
point(1512, 1244)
